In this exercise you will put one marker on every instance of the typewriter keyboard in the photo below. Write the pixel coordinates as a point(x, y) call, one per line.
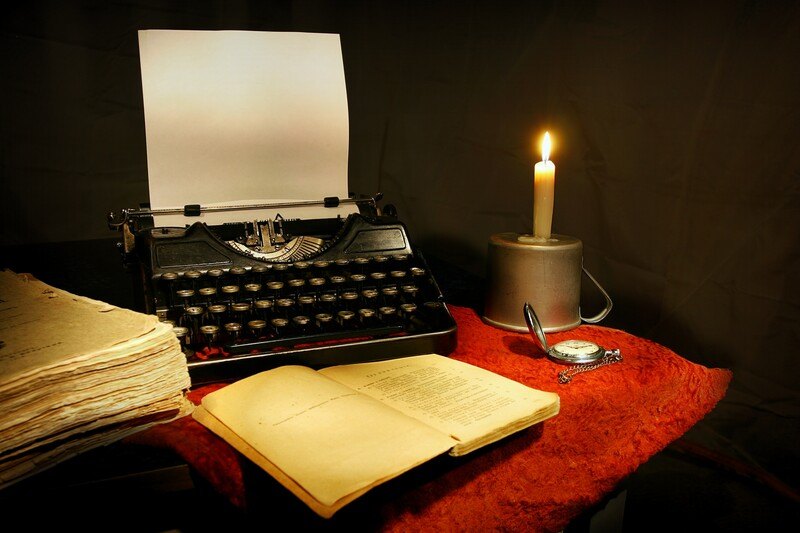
point(237, 321)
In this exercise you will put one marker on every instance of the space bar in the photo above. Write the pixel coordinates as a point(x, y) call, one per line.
point(290, 342)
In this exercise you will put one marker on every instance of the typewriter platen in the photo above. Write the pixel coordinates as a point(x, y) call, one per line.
point(244, 297)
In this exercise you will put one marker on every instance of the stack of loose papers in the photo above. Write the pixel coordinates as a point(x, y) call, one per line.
point(76, 373)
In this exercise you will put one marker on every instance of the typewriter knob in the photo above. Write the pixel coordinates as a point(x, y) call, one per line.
point(389, 210)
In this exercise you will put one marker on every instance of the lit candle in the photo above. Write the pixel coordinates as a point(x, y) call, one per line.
point(544, 174)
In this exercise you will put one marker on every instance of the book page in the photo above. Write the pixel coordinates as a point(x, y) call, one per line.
point(473, 405)
point(329, 439)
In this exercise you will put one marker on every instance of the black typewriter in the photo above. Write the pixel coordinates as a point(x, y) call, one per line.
point(244, 297)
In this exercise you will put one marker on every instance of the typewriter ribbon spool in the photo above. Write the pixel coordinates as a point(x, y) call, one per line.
point(545, 273)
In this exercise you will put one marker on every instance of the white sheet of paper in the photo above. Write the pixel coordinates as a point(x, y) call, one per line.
point(237, 117)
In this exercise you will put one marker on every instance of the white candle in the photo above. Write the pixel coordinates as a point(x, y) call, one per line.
point(544, 174)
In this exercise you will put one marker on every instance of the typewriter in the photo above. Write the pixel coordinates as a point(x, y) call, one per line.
point(251, 295)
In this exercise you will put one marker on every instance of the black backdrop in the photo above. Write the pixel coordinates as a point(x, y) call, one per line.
point(678, 151)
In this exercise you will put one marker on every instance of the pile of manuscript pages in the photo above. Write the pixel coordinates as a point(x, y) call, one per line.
point(76, 373)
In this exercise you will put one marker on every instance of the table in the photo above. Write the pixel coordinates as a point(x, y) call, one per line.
point(611, 421)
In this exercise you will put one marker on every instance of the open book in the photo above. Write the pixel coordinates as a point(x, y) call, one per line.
point(331, 435)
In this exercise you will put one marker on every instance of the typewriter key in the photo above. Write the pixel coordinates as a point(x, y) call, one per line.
point(283, 306)
point(409, 313)
point(257, 327)
point(341, 263)
point(300, 324)
point(316, 283)
point(296, 285)
point(191, 319)
point(324, 321)
point(357, 280)
point(401, 260)
point(397, 276)
point(279, 326)
point(410, 293)
point(240, 312)
point(210, 333)
point(387, 314)
point(233, 331)
point(389, 295)
point(237, 272)
point(321, 267)
point(185, 297)
point(191, 276)
point(216, 313)
point(417, 272)
point(306, 303)
point(367, 317)
point(229, 293)
point(377, 277)
point(301, 267)
point(349, 300)
point(181, 332)
point(433, 312)
point(370, 297)
point(337, 282)
point(257, 273)
point(207, 295)
point(215, 275)
point(274, 289)
point(263, 308)
point(408, 310)
point(252, 291)
point(361, 263)
point(345, 319)
point(327, 301)
point(168, 278)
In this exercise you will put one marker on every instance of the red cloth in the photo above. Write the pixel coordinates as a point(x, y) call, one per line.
point(611, 421)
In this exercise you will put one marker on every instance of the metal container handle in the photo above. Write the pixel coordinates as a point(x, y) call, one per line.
point(602, 314)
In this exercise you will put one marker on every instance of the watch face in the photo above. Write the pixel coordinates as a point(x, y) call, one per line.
point(576, 351)
point(575, 347)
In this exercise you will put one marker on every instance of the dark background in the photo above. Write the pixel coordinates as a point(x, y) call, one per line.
point(677, 131)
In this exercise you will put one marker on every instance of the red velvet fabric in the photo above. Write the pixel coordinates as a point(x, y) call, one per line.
point(611, 421)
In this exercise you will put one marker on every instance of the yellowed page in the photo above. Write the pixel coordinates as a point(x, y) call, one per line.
point(330, 440)
point(76, 373)
point(472, 404)
point(43, 327)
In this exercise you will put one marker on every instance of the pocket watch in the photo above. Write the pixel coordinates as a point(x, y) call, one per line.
point(585, 355)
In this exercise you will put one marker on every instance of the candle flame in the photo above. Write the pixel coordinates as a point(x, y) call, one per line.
point(546, 145)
